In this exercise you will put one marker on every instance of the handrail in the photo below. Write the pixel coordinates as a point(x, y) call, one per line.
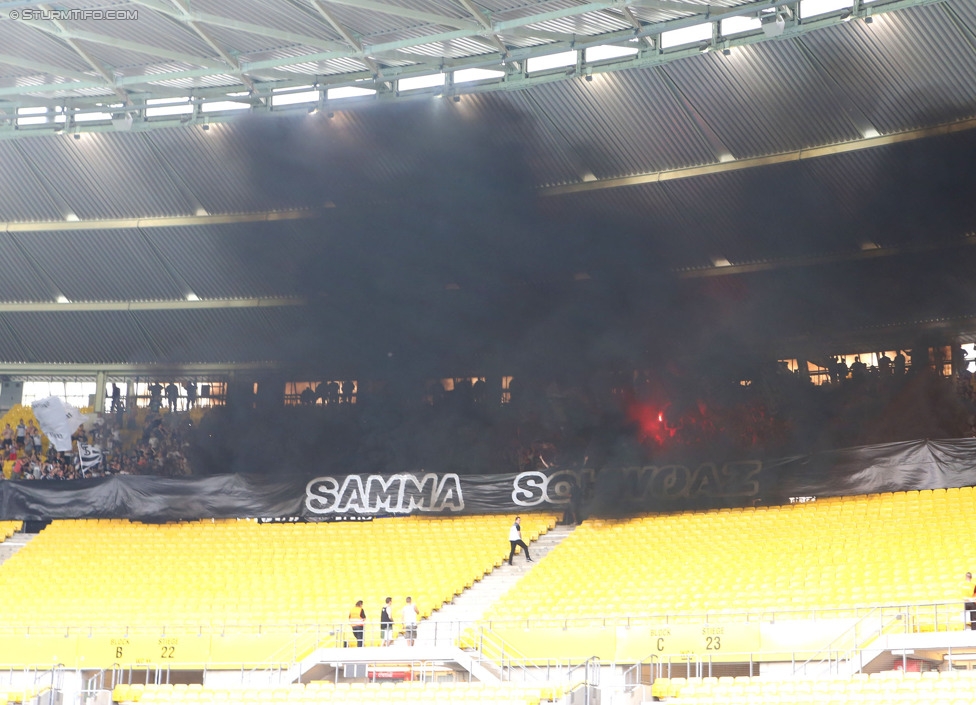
point(632, 620)
point(311, 641)
point(830, 646)
point(858, 646)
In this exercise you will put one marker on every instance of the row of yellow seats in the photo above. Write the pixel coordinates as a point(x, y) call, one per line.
point(841, 568)
point(9, 528)
point(152, 575)
point(890, 683)
point(408, 692)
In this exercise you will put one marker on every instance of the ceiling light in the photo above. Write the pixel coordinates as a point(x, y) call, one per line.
point(868, 19)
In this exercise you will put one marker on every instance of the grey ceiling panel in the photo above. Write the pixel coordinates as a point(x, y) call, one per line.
point(904, 70)
point(764, 98)
point(106, 175)
point(100, 265)
point(235, 261)
point(78, 337)
point(23, 195)
point(219, 335)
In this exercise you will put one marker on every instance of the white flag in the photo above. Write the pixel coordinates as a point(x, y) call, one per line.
point(89, 456)
point(58, 421)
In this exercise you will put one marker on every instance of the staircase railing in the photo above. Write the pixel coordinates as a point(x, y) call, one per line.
point(853, 640)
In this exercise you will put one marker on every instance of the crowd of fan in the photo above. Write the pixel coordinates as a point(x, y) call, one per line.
point(98, 451)
point(533, 423)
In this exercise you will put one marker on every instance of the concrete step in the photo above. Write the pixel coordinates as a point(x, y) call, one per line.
point(16, 542)
point(445, 626)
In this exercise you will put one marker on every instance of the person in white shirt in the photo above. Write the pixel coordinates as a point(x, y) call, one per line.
point(409, 622)
point(515, 538)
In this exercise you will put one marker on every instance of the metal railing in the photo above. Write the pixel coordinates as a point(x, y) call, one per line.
point(937, 616)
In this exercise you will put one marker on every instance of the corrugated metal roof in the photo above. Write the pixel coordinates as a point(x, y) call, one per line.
point(908, 68)
point(106, 175)
point(19, 280)
point(193, 336)
point(231, 261)
point(23, 197)
point(100, 265)
point(905, 69)
point(621, 124)
point(763, 99)
point(220, 335)
point(374, 27)
point(215, 166)
point(157, 29)
point(22, 40)
point(285, 16)
point(75, 337)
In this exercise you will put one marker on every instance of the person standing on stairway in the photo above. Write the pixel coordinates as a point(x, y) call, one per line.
point(386, 622)
point(409, 622)
point(515, 538)
point(357, 620)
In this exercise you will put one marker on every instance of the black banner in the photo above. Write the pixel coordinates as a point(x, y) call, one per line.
point(593, 492)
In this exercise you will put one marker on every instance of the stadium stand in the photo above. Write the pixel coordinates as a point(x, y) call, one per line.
point(948, 688)
point(129, 579)
point(832, 558)
point(319, 692)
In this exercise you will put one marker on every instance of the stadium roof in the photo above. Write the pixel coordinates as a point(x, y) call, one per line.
point(727, 127)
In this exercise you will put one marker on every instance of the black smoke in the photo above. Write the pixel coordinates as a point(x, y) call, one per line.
point(434, 255)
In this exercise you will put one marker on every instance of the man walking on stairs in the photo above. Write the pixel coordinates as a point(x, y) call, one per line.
point(515, 538)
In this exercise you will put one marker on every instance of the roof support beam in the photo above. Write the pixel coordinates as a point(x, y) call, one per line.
point(60, 370)
point(190, 15)
point(345, 34)
point(138, 47)
point(146, 85)
point(178, 304)
point(212, 43)
point(739, 164)
point(482, 19)
point(41, 67)
point(107, 77)
point(171, 222)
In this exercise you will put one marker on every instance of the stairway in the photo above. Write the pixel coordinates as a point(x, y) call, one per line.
point(445, 626)
point(14, 544)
